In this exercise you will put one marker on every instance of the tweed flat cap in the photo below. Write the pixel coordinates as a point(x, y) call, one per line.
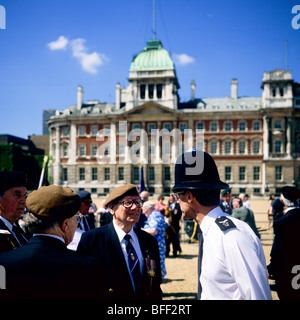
point(11, 179)
point(53, 202)
point(120, 192)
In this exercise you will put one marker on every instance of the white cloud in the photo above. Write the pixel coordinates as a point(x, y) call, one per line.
point(183, 59)
point(89, 61)
point(60, 44)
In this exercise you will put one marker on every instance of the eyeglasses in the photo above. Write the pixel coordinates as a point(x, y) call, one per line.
point(79, 217)
point(175, 195)
point(129, 202)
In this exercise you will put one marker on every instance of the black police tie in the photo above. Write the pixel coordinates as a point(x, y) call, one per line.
point(200, 254)
point(19, 235)
point(133, 261)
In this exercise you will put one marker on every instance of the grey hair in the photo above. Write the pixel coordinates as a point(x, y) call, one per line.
point(148, 205)
point(36, 225)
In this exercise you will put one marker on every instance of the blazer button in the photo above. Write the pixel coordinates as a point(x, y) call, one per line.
point(110, 290)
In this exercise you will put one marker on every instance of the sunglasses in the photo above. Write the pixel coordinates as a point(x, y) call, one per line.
point(175, 195)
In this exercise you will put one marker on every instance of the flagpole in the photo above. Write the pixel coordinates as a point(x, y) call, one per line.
point(43, 172)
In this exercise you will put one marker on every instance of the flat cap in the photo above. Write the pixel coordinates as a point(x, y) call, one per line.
point(11, 179)
point(53, 202)
point(120, 192)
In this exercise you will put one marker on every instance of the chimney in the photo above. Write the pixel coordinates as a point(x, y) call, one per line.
point(118, 96)
point(79, 97)
point(234, 87)
point(193, 86)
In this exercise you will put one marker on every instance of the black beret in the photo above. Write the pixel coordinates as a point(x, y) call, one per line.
point(291, 193)
point(11, 179)
point(83, 194)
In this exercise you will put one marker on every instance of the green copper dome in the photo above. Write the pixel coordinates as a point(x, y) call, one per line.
point(153, 56)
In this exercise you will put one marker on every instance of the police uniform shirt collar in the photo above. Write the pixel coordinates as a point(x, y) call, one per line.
point(210, 218)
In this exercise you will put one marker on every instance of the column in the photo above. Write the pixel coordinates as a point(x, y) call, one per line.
point(56, 166)
point(143, 144)
point(113, 142)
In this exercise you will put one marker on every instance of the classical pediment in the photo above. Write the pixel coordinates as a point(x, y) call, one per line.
point(150, 108)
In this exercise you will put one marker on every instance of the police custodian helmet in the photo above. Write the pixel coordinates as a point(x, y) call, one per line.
point(197, 170)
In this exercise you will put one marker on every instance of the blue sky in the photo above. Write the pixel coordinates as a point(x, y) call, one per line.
point(49, 47)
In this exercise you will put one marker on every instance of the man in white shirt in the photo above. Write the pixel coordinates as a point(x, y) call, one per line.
point(231, 261)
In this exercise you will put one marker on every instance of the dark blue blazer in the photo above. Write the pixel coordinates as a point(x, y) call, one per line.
point(285, 254)
point(103, 244)
point(45, 269)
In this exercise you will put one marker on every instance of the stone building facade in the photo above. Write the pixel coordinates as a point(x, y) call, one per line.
point(255, 141)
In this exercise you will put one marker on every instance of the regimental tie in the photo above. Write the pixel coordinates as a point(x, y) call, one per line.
point(19, 235)
point(133, 261)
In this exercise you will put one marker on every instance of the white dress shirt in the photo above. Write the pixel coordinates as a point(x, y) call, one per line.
point(233, 263)
point(135, 243)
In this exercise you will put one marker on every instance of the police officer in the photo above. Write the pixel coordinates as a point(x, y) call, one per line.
point(231, 262)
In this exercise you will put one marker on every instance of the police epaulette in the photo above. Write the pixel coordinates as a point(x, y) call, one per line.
point(224, 223)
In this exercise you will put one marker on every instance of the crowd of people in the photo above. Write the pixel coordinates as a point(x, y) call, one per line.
point(53, 234)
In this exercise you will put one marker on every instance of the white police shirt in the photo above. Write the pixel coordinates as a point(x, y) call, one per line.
point(233, 261)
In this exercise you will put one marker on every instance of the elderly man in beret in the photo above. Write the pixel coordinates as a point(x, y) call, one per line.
point(44, 268)
point(13, 194)
point(130, 256)
point(285, 257)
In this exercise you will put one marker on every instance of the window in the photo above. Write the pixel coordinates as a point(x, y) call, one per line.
point(81, 174)
point(94, 174)
point(151, 174)
point(182, 126)
point(277, 146)
point(281, 92)
point(200, 125)
point(82, 150)
point(228, 126)
point(242, 147)
point(242, 173)
point(65, 150)
point(278, 173)
point(82, 131)
point(136, 173)
point(167, 126)
point(94, 149)
point(106, 174)
point(256, 125)
point(277, 124)
point(65, 174)
point(213, 147)
point(66, 131)
point(151, 126)
point(142, 91)
point(94, 130)
point(256, 173)
point(242, 126)
point(151, 91)
point(167, 174)
point(214, 126)
point(274, 92)
point(227, 147)
point(159, 89)
point(227, 173)
point(256, 147)
point(121, 173)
